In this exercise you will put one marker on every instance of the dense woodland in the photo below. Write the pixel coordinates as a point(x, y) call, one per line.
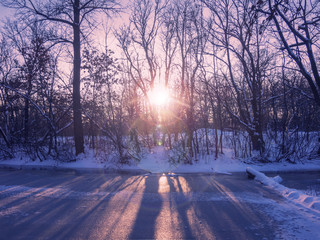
point(241, 74)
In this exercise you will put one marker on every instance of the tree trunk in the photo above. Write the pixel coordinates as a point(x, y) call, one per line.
point(207, 141)
point(189, 146)
point(78, 128)
point(26, 106)
point(4, 137)
point(257, 142)
point(216, 141)
point(169, 137)
point(26, 120)
point(92, 133)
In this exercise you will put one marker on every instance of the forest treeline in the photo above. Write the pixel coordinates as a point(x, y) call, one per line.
point(242, 74)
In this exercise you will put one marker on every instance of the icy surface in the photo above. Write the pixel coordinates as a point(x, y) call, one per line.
point(297, 196)
point(298, 216)
point(299, 220)
point(293, 221)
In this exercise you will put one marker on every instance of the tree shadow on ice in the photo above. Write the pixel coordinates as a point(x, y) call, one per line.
point(149, 209)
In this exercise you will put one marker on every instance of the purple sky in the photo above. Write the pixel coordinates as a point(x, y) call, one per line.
point(4, 12)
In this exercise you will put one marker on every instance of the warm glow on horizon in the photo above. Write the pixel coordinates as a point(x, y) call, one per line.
point(159, 96)
point(163, 184)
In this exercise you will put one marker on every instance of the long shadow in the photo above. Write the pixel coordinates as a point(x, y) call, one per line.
point(38, 182)
point(180, 202)
point(150, 207)
point(229, 218)
point(55, 218)
point(84, 218)
point(91, 219)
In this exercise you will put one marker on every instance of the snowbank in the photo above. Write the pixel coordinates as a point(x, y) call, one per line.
point(291, 194)
point(157, 161)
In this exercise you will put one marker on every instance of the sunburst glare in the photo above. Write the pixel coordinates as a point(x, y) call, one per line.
point(159, 96)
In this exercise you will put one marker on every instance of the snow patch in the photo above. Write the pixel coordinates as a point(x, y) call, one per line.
point(158, 161)
point(291, 194)
point(277, 179)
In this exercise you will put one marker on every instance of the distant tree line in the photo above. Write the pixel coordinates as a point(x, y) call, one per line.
point(242, 74)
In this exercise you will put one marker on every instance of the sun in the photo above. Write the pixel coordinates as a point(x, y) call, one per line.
point(159, 96)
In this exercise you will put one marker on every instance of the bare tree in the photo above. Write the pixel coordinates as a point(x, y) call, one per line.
point(189, 32)
point(138, 42)
point(30, 43)
point(169, 45)
point(297, 25)
point(7, 65)
point(168, 41)
point(68, 16)
point(246, 57)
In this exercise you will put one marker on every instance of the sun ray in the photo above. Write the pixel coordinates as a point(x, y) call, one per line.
point(159, 96)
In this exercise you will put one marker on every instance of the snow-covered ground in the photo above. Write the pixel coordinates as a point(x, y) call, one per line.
point(294, 195)
point(295, 221)
point(305, 218)
point(157, 161)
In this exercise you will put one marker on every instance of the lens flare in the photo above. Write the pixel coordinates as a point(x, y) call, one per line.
point(159, 96)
